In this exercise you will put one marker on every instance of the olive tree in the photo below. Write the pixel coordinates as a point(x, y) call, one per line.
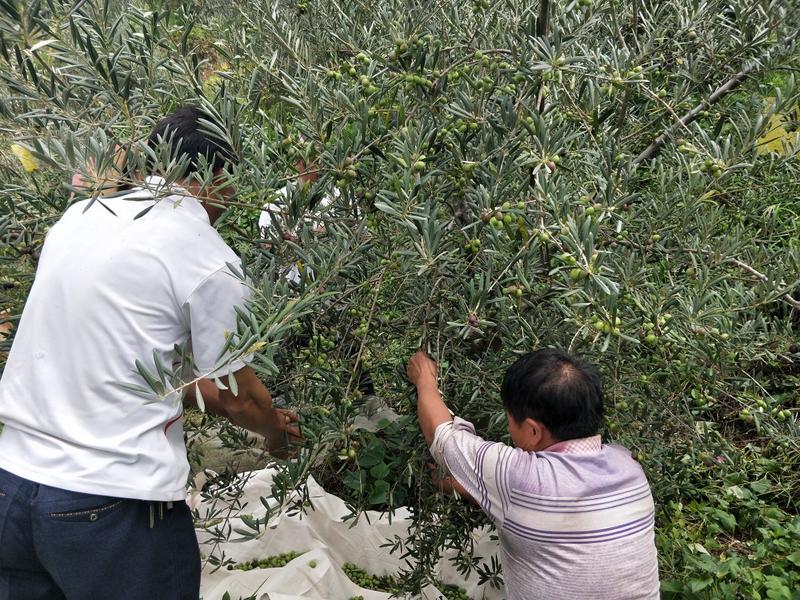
point(591, 175)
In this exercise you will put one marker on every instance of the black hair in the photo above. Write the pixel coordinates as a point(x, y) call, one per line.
point(186, 134)
point(556, 389)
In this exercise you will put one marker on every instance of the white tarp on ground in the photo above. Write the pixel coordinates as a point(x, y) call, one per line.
point(327, 542)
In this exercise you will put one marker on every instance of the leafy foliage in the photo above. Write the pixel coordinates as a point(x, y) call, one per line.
point(509, 177)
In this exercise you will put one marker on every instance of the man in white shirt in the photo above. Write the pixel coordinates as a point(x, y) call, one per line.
point(92, 474)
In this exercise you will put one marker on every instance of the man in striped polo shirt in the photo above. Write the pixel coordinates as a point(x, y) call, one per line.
point(574, 516)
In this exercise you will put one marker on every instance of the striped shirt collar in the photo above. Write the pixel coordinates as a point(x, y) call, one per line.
point(587, 446)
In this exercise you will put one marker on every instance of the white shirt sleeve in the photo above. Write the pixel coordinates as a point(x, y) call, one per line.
point(328, 199)
point(272, 211)
point(268, 214)
point(481, 467)
point(211, 314)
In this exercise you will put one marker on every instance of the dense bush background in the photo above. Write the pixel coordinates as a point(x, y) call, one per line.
point(511, 175)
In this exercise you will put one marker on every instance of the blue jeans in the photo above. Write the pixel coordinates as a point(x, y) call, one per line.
point(61, 545)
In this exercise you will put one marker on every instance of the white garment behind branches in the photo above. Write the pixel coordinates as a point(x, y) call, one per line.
point(274, 217)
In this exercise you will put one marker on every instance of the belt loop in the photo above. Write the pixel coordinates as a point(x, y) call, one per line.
point(152, 512)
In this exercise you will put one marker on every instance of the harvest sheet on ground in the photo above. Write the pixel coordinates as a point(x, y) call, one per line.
point(325, 543)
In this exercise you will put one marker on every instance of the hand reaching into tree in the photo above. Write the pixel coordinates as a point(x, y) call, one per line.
point(288, 433)
point(421, 369)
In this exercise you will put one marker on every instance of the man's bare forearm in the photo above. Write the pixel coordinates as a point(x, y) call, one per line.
point(448, 484)
point(431, 409)
point(210, 393)
point(252, 407)
point(247, 412)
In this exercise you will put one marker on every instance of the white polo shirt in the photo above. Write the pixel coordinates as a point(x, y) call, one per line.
point(110, 290)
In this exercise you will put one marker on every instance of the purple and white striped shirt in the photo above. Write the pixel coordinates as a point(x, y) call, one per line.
point(575, 520)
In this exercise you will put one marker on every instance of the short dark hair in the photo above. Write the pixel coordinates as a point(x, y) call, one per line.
point(556, 389)
point(186, 134)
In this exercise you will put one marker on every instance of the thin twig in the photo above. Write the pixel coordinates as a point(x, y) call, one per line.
point(786, 297)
